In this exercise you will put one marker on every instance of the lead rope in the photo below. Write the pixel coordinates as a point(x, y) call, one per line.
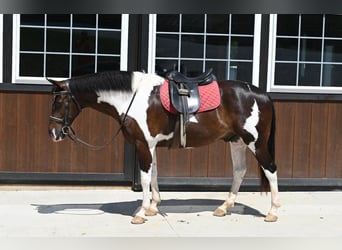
point(71, 133)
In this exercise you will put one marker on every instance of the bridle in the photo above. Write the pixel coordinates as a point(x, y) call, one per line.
point(67, 120)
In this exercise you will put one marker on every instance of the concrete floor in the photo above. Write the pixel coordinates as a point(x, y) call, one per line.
point(106, 212)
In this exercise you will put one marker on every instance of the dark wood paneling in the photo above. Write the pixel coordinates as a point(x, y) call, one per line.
point(333, 168)
point(308, 143)
point(26, 146)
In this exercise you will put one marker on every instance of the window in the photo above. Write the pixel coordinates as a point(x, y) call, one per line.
point(305, 53)
point(229, 44)
point(66, 45)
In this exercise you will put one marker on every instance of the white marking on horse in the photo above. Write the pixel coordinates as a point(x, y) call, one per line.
point(250, 125)
point(193, 119)
point(143, 85)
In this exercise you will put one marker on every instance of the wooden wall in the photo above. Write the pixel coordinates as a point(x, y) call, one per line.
point(308, 143)
point(26, 146)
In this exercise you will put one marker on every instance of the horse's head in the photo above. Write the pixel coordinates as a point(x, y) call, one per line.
point(65, 109)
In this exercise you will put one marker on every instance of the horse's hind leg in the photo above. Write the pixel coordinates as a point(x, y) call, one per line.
point(268, 166)
point(238, 152)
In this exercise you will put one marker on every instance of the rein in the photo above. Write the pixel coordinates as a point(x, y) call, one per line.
point(69, 131)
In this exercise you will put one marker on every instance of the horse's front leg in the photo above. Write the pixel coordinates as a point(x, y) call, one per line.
point(153, 210)
point(148, 178)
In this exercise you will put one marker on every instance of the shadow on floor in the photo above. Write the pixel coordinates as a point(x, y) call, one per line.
point(128, 208)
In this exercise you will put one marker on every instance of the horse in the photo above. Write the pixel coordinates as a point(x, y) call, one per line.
point(244, 118)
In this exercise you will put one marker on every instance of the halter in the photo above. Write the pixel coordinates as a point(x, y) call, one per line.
point(66, 120)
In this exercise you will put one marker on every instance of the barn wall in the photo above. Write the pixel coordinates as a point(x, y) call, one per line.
point(308, 143)
point(26, 146)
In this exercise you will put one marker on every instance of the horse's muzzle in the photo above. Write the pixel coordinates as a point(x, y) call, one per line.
point(56, 135)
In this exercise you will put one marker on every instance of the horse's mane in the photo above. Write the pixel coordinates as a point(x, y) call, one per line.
point(108, 80)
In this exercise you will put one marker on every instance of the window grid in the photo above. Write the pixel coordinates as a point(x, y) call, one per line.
point(319, 87)
point(70, 53)
point(205, 34)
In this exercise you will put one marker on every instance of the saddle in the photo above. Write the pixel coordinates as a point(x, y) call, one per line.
point(185, 96)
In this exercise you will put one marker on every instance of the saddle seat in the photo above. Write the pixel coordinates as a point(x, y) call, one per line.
point(203, 79)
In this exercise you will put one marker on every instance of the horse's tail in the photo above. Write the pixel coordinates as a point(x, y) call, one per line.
point(264, 183)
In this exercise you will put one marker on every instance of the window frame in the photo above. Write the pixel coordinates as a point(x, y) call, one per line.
point(256, 46)
point(287, 89)
point(17, 79)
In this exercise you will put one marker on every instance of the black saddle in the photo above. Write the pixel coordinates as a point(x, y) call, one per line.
point(185, 97)
point(203, 79)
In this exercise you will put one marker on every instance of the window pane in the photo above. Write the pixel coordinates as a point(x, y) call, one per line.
point(219, 69)
point(191, 68)
point(242, 48)
point(105, 63)
point(309, 74)
point(192, 46)
point(333, 51)
point(167, 45)
point(31, 39)
point(218, 24)
point(29, 19)
point(286, 49)
point(243, 24)
point(285, 74)
point(57, 65)
point(217, 47)
point(58, 40)
point(310, 50)
point(333, 25)
point(312, 25)
point(287, 25)
point(169, 23)
point(31, 65)
point(193, 23)
point(88, 21)
point(165, 66)
point(83, 41)
point(242, 70)
point(332, 75)
point(58, 20)
point(110, 21)
point(82, 65)
point(109, 42)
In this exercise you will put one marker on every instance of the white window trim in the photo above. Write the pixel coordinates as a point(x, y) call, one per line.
point(41, 80)
point(256, 46)
point(271, 87)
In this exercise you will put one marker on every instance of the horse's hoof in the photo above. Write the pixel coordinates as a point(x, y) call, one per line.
point(271, 218)
point(219, 212)
point(151, 212)
point(138, 220)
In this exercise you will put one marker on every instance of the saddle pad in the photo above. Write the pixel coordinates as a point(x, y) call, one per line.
point(209, 97)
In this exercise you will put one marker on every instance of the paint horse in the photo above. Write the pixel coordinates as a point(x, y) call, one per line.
point(244, 118)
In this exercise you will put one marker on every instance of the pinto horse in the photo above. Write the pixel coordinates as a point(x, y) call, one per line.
point(244, 118)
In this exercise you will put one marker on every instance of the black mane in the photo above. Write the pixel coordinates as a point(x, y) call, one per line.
point(108, 80)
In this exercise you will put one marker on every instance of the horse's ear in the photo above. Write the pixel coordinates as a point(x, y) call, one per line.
point(55, 83)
